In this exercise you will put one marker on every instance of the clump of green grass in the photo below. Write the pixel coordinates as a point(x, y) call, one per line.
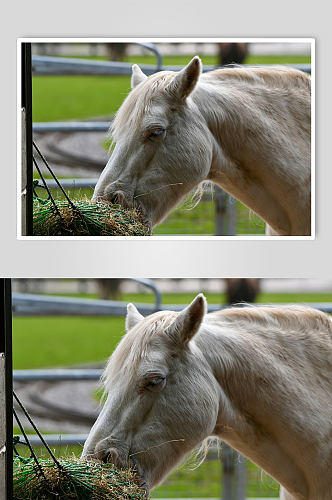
point(85, 218)
point(73, 479)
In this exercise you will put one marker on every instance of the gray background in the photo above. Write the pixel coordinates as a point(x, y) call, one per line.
point(162, 258)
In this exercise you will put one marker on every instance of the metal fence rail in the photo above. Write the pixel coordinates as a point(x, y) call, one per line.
point(79, 439)
point(57, 439)
point(70, 183)
point(43, 127)
point(43, 305)
point(25, 304)
point(48, 305)
point(57, 374)
point(49, 65)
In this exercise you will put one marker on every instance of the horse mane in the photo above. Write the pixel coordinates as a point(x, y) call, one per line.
point(293, 317)
point(270, 346)
point(272, 77)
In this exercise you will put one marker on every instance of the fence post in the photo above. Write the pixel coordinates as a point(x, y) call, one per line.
point(3, 424)
point(228, 472)
point(27, 168)
point(234, 474)
point(220, 208)
point(225, 210)
point(231, 215)
point(241, 477)
point(6, 391)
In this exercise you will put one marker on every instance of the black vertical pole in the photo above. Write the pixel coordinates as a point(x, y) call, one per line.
point(6, 348)
point(26, 103)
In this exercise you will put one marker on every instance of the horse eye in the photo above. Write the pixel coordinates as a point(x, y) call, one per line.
point(156, 384)
point(158, 133)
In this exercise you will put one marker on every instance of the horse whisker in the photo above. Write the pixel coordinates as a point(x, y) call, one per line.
point(157, 189)
point(155, 446)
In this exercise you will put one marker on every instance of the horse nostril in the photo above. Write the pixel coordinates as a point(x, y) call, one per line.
point(110, 457)
point(113, 457)
point(118, 198)
point(107, 458)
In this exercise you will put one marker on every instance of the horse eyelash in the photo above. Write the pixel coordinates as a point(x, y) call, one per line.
point(154, 132)
point(144, 384)
point(159, 379)
point(157, 132)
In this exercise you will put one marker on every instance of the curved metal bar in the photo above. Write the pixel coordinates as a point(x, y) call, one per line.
point(153, 48)
point(150, 284)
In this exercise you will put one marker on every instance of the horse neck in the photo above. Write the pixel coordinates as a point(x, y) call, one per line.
point(267, 412)
point(260, 156)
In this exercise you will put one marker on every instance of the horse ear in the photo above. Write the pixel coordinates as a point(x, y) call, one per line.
point(186, 325)
point(133, 316)
point(185, 81)
point(137, 76)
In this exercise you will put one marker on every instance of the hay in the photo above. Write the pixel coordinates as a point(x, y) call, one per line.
point(89, 219)
point(77, 480)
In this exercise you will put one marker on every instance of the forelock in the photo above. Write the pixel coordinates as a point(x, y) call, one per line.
point(134, 346)
point(139, 101)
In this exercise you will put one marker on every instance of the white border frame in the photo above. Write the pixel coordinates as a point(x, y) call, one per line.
point(310, 41)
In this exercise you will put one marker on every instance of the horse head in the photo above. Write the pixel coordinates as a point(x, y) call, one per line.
point(163, 149)
point(162, 396)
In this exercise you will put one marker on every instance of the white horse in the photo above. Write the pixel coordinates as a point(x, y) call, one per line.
point(259, 378)
point(247, 130)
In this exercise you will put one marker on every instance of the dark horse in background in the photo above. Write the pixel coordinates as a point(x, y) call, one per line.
point(232, 53)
